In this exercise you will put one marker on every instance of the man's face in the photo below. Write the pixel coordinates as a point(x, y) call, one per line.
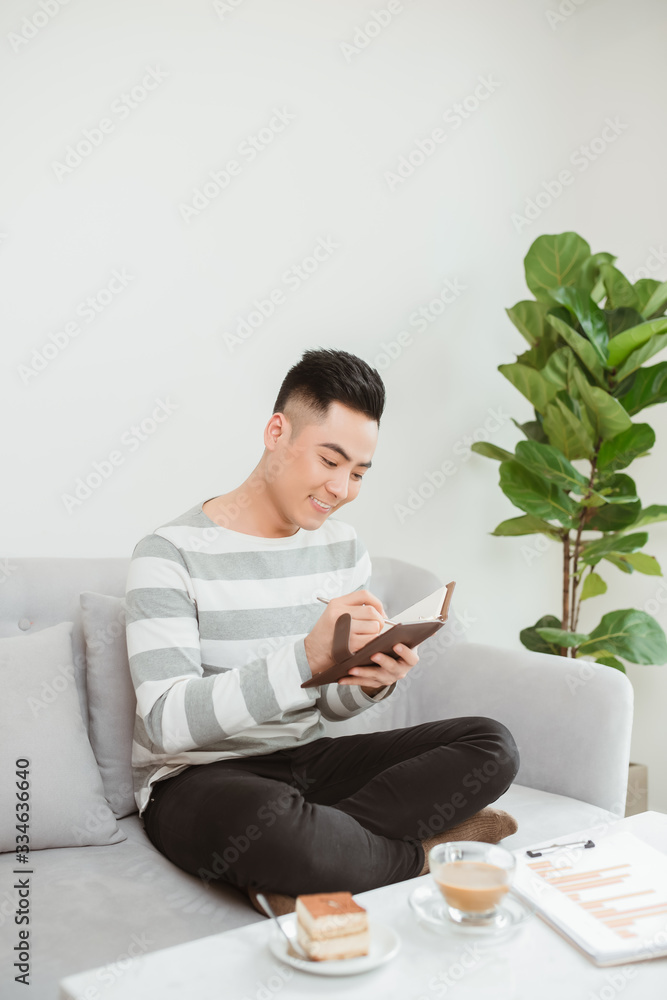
point(320, 469)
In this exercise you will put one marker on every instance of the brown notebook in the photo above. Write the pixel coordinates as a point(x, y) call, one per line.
point(411, 629)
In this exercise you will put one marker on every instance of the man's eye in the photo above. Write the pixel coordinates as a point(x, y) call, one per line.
point(327, 462)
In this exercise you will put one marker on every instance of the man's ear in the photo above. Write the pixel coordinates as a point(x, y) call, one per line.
point(278, 427)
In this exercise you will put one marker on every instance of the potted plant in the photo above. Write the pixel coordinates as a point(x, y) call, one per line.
point(589, 332)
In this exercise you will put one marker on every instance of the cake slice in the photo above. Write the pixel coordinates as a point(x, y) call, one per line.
point(331, 926)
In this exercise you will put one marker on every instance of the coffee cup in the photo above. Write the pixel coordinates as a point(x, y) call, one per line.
point(473, 878)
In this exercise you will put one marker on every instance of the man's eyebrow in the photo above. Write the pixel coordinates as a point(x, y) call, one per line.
point(337, 447)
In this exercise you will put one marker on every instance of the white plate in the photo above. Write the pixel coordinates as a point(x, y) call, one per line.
point(385, 944)
point(429, 906)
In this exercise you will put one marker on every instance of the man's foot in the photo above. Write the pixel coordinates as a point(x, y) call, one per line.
point(278, 902)
point(490, 825)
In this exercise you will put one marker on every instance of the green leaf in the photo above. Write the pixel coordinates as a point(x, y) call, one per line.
point(614, 544)
point(589, 315)
point(656, 304)
point(559, 367)
point(645, 288)
point(532, 430)
point(529, 318)
point(566, 432)
point(560, 637)
point(533, 495)
point(648, 387)
point(630, 633)
point(620, 562)
point(491, 450)
point(607, 415)
point(532, 640)
point(642, 354)
point(622, 319)
point(644, 563)
point(650, 515)
point(611, 661)
point(531, 383)
point(622, 346)
point(553, 261)
point(528, 524)
point(618, 452)
point(551, 464)
point(581, 347)
point(615, 516)
point(593, 586)
point(588, 275)
point(619, 290)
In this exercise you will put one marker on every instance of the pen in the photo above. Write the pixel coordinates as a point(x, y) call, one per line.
point(387, 620)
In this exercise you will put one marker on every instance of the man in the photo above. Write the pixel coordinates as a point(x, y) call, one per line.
point(233, 775)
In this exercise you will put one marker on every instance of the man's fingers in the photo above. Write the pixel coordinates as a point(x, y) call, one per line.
point(359, 597)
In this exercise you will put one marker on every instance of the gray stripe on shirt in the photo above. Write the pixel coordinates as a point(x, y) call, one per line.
point(259, 623)
point(257, 691)
point(201, 718)
point(280, 564)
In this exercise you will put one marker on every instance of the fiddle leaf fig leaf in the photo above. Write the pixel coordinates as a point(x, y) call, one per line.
point(593, 586)
point(589, 315)
point(553, 261)
point(618, 452)
point(630, 633)
point(531, 639)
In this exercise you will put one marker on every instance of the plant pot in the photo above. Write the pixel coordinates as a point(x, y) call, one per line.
point(637, 797)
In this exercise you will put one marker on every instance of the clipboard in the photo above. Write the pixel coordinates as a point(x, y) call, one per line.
point(409, 633)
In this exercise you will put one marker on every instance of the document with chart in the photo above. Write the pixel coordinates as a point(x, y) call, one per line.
point(610, 900)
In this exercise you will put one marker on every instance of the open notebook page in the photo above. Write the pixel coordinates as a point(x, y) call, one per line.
point(428, 607)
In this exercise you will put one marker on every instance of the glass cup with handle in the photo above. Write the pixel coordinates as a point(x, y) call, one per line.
point(473, 877)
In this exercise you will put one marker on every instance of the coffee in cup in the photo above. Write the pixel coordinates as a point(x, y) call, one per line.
point(472, 876)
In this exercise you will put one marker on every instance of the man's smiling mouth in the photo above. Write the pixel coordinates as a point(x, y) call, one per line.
point(320, 504)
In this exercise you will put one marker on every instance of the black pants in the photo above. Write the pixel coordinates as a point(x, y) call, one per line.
point(334, 814)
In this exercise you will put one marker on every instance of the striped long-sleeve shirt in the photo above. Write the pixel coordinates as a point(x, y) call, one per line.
point(215, 628)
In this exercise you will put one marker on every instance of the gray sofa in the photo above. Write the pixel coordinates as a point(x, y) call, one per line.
point(107, 901)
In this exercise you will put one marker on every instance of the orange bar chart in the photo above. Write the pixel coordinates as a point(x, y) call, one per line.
point(578, 887)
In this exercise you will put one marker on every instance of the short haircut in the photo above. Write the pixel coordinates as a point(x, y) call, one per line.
point(326, 376)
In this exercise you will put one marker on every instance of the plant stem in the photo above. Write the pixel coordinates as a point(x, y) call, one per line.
point(583, 517)
point(566, 587)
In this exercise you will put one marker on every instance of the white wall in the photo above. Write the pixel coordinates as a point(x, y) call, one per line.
point(552, 82)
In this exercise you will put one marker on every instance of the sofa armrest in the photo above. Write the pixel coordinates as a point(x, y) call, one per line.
point(571, 719)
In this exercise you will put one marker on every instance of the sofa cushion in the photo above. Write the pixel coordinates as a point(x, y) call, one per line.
point(111, 698)
point(92, 907)
point(41, 723)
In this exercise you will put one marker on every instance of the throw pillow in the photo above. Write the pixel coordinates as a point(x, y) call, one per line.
point(111, 698)
point(58, 798)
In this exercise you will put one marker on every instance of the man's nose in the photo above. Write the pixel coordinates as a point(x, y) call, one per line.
point(338, 487)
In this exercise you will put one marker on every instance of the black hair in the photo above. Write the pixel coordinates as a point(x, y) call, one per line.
point(325, 376)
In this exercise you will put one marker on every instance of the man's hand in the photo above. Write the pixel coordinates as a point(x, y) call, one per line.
point(367, 616)
point(388, 671)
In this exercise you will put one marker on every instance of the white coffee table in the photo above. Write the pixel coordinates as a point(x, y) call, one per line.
point(238, 965)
